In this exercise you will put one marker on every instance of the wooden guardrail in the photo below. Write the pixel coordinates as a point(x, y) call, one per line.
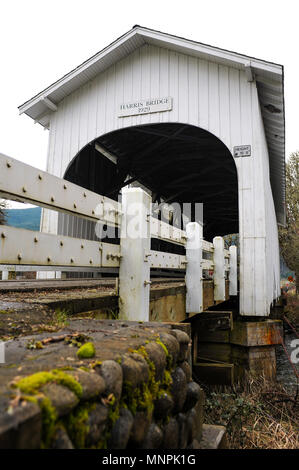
point(133, 256)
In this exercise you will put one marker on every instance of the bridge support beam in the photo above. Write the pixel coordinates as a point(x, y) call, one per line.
point(194, 281)
point(134, 270)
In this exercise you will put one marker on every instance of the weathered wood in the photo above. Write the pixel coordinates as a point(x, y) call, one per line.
point(256, 333)
point(208, 294)
point(217, 336)
point(214, 373)
point(213, 321)
point(194, 280)
point(207, 352)
point(258, 360)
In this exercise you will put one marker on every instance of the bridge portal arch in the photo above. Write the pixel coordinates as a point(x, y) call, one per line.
point(177, 162)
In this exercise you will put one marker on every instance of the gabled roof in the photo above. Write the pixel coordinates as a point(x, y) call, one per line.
point(269, 78)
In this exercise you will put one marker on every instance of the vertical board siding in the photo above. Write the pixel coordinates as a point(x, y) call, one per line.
point(211, 96)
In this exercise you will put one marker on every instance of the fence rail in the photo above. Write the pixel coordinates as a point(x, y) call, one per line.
point(132, 257)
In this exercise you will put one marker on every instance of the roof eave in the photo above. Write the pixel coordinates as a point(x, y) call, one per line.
point(184, 45)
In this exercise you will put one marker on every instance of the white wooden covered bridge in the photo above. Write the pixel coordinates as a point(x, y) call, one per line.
point(189, 123)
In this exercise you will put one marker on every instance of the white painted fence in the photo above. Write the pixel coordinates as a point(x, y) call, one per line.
point(133, 256)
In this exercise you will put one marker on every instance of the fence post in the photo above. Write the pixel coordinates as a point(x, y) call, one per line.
point(4, 275)
point(134, 270)
point(194, 285)
point(219, 269)
point(233, 271)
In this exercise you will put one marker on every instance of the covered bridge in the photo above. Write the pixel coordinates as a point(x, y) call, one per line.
point(190, 123)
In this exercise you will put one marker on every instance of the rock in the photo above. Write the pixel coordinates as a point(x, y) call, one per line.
point(153, 438)
point(178, 389)
point(112, 373)
point(187, 370)
point(163, 406)
point(62, 399)
point(199, 414)
point(96, 424)
point(184, 341)
point(121, 430)
point(61, 440)
point(14, 427)
point(92, 384)
point(171, 435)
point(157, 355)
point(183, 431)
point(191, 425)
point(135, 369)
point(192, 396)
point(172, 345)
point(194, 444)
point(140, 427)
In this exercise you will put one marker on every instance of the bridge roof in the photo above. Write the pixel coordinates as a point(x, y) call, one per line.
point(269, 78)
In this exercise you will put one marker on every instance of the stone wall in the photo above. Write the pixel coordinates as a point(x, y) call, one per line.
point(129, 385)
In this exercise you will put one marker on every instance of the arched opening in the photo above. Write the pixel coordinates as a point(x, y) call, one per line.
point(178, 163)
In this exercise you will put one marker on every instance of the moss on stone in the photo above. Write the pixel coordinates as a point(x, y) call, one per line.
point(141, 398)
point(168, 356)
point(31, 391)
point(49, 416)
point(32, 384)
point(86, 351)
point(76, 424)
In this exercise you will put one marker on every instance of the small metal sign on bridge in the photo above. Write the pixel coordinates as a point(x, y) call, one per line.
point(242, 151)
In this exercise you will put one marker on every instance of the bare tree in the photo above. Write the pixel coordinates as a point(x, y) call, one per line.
point(289, 235)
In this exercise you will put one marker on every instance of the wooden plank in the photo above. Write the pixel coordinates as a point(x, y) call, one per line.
point(213, 321)
point(22, 182)
point(210, 352)
point(256, 333)
point(214, 373)
point(258, 360)
point(27, 247)
point(217, 336)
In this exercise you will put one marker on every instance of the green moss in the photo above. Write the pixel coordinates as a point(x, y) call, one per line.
point(49, 416)
point(142, 398)
point(168, 356)
point(86, 351)
point(33, 383)
point(68, 381)
point(95, 363)
point(167, 380)
point(76, 424)
point(61, 317)
point(30, 387)
point(34, 345)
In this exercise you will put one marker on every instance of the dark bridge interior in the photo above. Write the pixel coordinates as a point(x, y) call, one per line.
point(179, 163)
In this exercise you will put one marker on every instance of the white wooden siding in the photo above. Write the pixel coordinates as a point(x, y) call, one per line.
point(214, 97)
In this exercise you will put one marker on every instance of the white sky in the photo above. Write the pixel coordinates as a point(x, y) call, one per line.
point(41, 41)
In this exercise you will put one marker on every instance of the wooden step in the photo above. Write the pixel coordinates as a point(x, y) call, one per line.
point(213, 373)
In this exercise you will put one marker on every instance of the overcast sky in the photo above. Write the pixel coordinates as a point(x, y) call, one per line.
point(41, 41)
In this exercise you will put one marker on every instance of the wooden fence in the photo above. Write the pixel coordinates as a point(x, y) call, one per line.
point(132, 256)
